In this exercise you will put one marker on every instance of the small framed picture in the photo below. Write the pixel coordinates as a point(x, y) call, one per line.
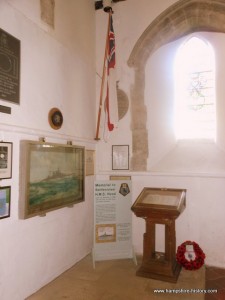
point(120, 157)
point(55, 118)
point(5, 202)
point(105, 233)
point(5, 160)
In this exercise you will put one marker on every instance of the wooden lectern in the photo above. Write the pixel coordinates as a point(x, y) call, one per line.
point(160, 206)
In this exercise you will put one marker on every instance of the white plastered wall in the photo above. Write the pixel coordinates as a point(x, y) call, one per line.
point(57, 70)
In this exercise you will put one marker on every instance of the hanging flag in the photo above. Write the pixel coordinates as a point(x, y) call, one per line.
point(111, 105)
point(108, 86)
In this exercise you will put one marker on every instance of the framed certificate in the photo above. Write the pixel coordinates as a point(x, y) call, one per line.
point(120, 157)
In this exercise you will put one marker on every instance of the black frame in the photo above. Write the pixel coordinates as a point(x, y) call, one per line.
point(6, 160)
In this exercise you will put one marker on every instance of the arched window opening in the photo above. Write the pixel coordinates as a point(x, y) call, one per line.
point(195, 116)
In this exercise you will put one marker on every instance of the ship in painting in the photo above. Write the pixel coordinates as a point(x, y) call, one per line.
point(55, 175)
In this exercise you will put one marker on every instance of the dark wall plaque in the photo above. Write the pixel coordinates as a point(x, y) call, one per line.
point(5, 109)
point(9, 67)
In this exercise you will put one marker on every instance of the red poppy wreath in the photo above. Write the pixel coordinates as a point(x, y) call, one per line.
point(190, 255)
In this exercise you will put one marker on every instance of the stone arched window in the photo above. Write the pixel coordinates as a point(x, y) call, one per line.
point(180, 19)
point(194, 79)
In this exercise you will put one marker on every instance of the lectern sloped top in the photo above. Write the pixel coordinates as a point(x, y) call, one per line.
point(160, 201)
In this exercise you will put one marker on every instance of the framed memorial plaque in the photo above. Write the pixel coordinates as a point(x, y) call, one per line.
point(9, 67)
point(5, 160)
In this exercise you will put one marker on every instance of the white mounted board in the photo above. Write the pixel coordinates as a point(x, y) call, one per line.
point(112, 220)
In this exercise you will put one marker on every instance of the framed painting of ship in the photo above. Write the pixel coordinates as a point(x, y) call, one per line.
point(51, 177)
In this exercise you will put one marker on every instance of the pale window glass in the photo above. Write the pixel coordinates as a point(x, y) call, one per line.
point(195, 115)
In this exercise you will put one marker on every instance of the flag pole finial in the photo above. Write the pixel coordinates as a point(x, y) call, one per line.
point(107, 6)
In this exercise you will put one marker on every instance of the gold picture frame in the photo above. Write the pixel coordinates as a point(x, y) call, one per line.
point(105, 233)
point(51, 177)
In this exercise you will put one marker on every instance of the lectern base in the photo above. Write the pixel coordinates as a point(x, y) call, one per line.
point(160, 270)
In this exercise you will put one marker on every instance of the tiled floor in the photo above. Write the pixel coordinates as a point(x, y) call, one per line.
point(215, 279)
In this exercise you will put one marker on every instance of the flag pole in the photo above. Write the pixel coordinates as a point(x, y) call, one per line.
point(103, 81)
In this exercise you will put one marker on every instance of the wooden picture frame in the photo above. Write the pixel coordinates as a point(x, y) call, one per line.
point(55, 118)
point(112, 177)
point(5, 160)
point(5, 198)
point(51, 177)
point(120, 157)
